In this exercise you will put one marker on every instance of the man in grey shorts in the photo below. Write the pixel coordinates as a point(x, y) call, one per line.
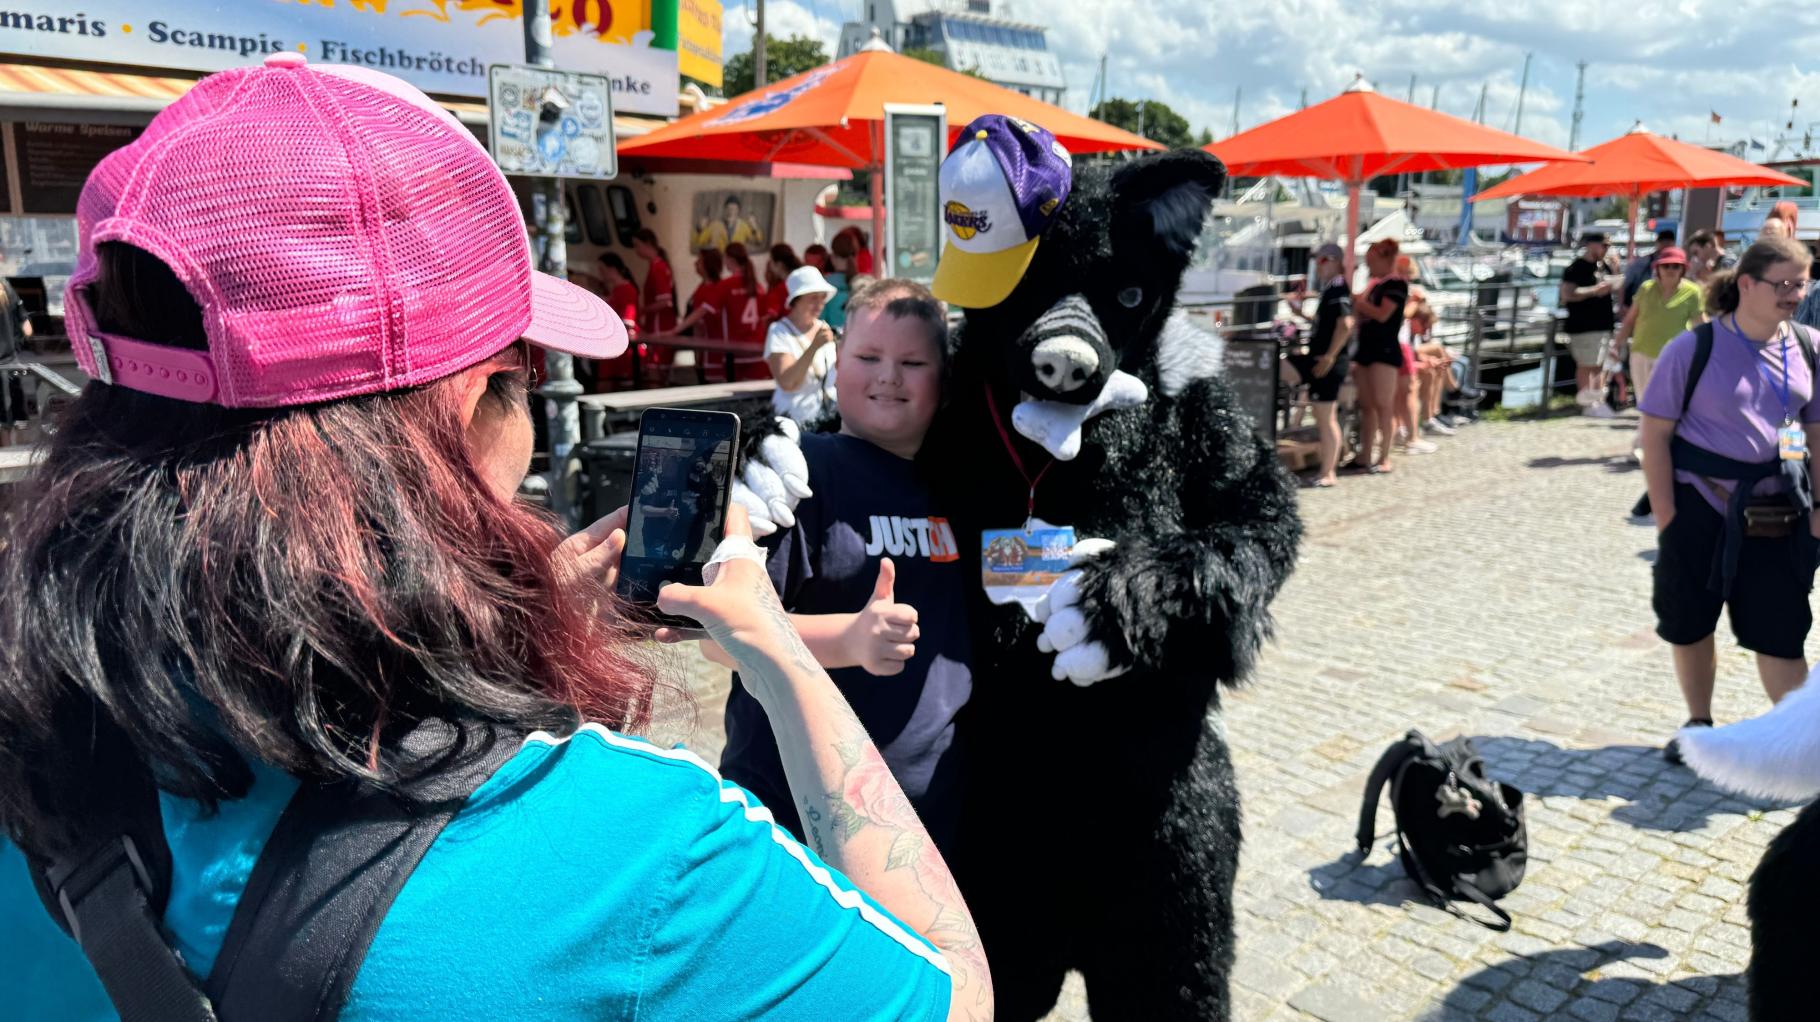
point(1586, 290)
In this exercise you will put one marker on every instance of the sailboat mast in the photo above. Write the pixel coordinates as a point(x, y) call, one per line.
point(1522, 91)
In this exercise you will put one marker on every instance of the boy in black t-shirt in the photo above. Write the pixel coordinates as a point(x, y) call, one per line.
point(870, 573)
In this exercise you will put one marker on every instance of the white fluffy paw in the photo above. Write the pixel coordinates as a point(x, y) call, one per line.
point(1066, 629)
point(774, 481)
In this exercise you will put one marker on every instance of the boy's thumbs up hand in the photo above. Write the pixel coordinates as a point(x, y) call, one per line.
point(887, 581)
point(883, 635)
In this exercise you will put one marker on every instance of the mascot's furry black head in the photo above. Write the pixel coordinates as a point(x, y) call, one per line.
point(1104, 279)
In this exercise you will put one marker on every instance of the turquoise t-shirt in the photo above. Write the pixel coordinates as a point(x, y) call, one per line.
point(595, 876)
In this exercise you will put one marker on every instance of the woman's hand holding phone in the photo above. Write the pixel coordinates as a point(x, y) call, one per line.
point(594, 552)
point(739, 611)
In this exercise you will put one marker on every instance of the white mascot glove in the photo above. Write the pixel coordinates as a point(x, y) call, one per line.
point(774, 481)
point(1065, 628)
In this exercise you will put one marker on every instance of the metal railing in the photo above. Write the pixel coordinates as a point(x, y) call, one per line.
point(1494, 329)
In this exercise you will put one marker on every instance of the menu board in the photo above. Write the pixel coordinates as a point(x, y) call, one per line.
point(915, 140)
point(1251, 370)
point(56, 158)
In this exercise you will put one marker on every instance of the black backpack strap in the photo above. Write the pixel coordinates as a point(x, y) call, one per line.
point(1807, 350)
point(109, 891)
point(335, 861)
point(1467, 890)
point(1393, 758)
point(1703, 353)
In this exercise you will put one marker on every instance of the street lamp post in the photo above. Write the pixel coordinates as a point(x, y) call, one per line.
point(551, 248)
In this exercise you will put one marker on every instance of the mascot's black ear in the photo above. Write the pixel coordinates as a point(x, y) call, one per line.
point(1168, 196)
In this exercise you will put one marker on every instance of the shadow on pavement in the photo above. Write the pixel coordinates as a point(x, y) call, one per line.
point(1656, 794)
point(1554, 981)
point(1349, 878)
point(1614, 463)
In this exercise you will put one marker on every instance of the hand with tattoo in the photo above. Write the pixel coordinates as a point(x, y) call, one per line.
point(740, 612)
point(853, 810)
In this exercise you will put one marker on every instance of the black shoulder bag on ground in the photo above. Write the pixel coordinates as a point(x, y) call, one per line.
point(336, 859)
point(1460, 834)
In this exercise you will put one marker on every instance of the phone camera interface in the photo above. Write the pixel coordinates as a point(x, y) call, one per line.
point(677, 512)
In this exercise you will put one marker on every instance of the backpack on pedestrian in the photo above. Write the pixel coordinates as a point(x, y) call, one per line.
point(1460, 834)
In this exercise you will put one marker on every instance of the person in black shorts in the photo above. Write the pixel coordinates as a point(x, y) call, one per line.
point(1379, 357)
point(1323, 367)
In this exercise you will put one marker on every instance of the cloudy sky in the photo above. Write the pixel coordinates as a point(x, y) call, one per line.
point(1668, 63)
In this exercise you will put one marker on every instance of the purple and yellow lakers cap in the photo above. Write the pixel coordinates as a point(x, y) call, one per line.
point(1000, 187)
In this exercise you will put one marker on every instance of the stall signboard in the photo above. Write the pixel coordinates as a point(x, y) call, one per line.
point(915, 140)
point(441, 46)
point(694, 35)
point(548, 123)
point(1251, 371)
point(55, 159)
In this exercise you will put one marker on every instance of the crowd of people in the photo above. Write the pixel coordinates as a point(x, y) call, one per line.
point(755, 324)
point(1383, 338)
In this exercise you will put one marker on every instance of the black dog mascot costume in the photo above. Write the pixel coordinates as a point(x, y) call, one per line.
point(1102, 826)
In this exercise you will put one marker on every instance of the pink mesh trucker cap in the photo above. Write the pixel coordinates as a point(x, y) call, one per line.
point(343, 234)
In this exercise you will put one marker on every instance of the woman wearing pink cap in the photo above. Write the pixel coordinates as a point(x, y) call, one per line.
point(303, 715)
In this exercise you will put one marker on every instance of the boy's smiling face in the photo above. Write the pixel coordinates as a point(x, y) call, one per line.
point(888, 380)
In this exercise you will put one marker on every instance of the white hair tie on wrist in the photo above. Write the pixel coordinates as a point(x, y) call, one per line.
point(731, 548)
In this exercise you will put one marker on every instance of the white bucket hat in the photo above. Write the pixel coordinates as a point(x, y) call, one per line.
point(805, 280)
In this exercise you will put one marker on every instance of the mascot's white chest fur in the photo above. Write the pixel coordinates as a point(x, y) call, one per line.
point(1185, 353)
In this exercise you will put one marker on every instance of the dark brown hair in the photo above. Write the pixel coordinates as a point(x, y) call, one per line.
point(713, 264)
point(782, 260)
point(649, 237)
point(195, 584)
point(901, 298)
point(1722, 287)
point(741, 262)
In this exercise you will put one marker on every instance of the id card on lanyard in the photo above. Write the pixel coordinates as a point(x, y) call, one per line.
point(1791, 436)
point(1020, 563)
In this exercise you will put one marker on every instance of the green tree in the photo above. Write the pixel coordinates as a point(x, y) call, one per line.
point(1158, 122)
point(783, 58)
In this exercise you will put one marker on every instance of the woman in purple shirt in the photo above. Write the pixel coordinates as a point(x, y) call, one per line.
point(1747, 427)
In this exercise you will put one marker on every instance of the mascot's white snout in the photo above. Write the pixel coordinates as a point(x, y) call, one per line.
point(1065, 364)
point(1065, 356)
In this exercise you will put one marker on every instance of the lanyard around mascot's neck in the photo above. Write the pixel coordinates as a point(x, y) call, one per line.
point(1011, 449)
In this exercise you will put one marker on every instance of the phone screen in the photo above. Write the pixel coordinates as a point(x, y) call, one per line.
point(678, 506)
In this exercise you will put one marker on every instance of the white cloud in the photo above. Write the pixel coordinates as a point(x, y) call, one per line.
point(1668, 65)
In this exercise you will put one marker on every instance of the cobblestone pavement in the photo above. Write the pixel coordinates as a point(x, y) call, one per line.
point(1497, 590)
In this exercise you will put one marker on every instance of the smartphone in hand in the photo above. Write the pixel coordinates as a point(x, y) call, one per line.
point(681, 483)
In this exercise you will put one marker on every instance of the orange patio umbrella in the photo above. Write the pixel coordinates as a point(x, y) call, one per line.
point(1635, 164)
point(834, 116)
point(1359, 135)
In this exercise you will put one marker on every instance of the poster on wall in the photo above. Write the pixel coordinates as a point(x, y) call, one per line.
point(916, 138)
point(441, 46)
point(721, 217)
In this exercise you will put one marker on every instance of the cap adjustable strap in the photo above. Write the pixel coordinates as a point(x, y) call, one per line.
point(154, 368)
